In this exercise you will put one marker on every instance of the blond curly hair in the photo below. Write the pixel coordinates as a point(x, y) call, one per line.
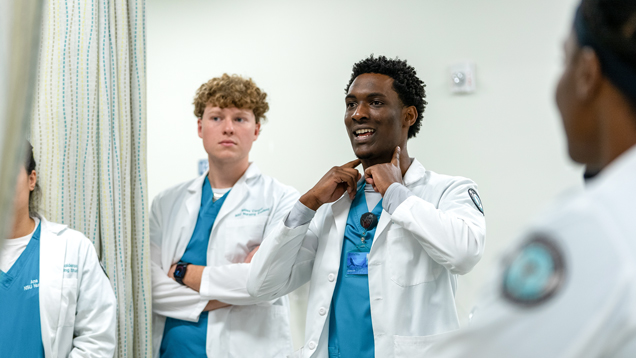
point(231, 91)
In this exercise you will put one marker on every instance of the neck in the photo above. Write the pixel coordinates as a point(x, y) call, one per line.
point(618, 133)
point(23, 224)
point(225, 175)
point(405, 160)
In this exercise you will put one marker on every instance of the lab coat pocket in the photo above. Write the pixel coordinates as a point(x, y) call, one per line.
point(264, 327)
point(409, 263)
point(415, 346)
point(241, 237)
point(68, 303)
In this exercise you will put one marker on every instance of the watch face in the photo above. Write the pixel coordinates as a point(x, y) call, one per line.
point(179, 271)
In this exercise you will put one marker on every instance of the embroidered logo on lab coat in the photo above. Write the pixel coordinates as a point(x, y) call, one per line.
point(535, 273)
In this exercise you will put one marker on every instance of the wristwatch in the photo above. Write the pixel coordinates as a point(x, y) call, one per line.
point(180, 271)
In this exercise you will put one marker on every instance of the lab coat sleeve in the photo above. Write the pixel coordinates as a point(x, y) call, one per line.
point(169, 298)
point(453, 234)
point(228, 283)
point(95, 329)
point(284, 261)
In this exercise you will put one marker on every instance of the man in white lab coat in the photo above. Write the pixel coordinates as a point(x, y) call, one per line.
point(567, 288)
point(382, 253)
point(204, 233)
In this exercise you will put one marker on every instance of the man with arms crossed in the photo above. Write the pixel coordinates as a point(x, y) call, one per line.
point(382, 253)
point(204, 232)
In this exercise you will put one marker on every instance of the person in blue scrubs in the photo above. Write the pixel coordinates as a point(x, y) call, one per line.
point(56, 299)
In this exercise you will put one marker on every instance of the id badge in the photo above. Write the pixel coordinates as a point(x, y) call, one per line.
point(357, 263)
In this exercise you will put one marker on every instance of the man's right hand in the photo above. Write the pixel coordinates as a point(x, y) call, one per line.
point(333, 185)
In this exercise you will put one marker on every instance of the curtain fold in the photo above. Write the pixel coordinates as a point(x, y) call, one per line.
point(89, 137)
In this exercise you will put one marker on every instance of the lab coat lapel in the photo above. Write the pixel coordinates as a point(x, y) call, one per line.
point(237, 195)
point(383, 223)
point(187, 222)
point(340, 211)
point(51, 269)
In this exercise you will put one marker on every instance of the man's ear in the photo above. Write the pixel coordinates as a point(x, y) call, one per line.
point(410, 116)
point(588, 75)
point(199, 127)
point(257, 130)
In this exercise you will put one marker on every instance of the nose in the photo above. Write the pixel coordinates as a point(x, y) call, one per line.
point(361, 112)
point(228, 126)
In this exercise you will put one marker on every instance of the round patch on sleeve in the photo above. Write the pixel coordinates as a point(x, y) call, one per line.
point(475, 198)
point(535, 274)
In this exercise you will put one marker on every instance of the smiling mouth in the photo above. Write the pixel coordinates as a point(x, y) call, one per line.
point(363, 133)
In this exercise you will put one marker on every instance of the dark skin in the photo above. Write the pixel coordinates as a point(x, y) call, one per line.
point(377, 124)
point(599, 122)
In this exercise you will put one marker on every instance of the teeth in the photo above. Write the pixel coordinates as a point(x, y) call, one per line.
point(362, 131)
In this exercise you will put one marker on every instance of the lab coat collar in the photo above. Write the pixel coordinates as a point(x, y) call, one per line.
point(414, 174)
point(194, 202)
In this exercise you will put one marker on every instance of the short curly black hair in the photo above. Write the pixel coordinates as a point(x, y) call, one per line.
point(409, 87)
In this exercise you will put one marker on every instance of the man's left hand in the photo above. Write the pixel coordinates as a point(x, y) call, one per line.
point(381, 176)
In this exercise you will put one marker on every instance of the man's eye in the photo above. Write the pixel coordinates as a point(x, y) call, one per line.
point(216, 118)
point(350, 104)
point(376, 103)
point(240, 119)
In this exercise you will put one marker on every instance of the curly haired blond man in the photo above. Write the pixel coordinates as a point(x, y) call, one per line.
point(205, 231)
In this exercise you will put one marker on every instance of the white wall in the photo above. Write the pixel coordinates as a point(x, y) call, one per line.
point(507, 136)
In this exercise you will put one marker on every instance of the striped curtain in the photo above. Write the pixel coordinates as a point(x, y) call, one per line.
point(89, 136)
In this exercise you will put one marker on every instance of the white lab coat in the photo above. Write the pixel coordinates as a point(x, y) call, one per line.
point(251, 327)
point(593, 312)
point(414, 259)
point(77, 304)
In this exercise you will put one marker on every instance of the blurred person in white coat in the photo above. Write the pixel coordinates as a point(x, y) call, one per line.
point(382, 253)
point(56, 298)
point(204, 232)
point(567, 287)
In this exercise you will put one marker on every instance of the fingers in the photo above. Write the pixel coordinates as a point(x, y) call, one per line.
point(250, 256)
point(352, 164)
point(350, 178)
point(396, 157)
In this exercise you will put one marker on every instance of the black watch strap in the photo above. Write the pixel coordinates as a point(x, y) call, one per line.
point(180, 272)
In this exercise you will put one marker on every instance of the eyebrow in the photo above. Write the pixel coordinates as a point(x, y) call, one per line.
point(372, 94)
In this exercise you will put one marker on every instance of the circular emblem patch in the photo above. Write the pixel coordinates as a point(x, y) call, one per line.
point(475, 198)
point(535, 274)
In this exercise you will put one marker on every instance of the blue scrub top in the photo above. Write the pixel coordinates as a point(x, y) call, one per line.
point(183, 338)
point(350, 326)
point(20, 329)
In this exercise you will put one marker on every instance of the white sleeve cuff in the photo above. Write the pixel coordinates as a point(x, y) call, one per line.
point(299, 216)
point(394, 196)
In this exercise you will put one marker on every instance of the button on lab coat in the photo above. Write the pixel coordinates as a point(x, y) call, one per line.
point(592, 313)
point(415, 257)
point(251, 327)
point(77, 304)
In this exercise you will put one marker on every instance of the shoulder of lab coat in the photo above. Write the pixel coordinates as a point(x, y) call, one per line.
point(452, 230)
point(591, 314)
point(78, 314)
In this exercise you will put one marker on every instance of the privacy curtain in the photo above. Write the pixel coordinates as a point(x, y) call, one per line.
point(89, 136)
